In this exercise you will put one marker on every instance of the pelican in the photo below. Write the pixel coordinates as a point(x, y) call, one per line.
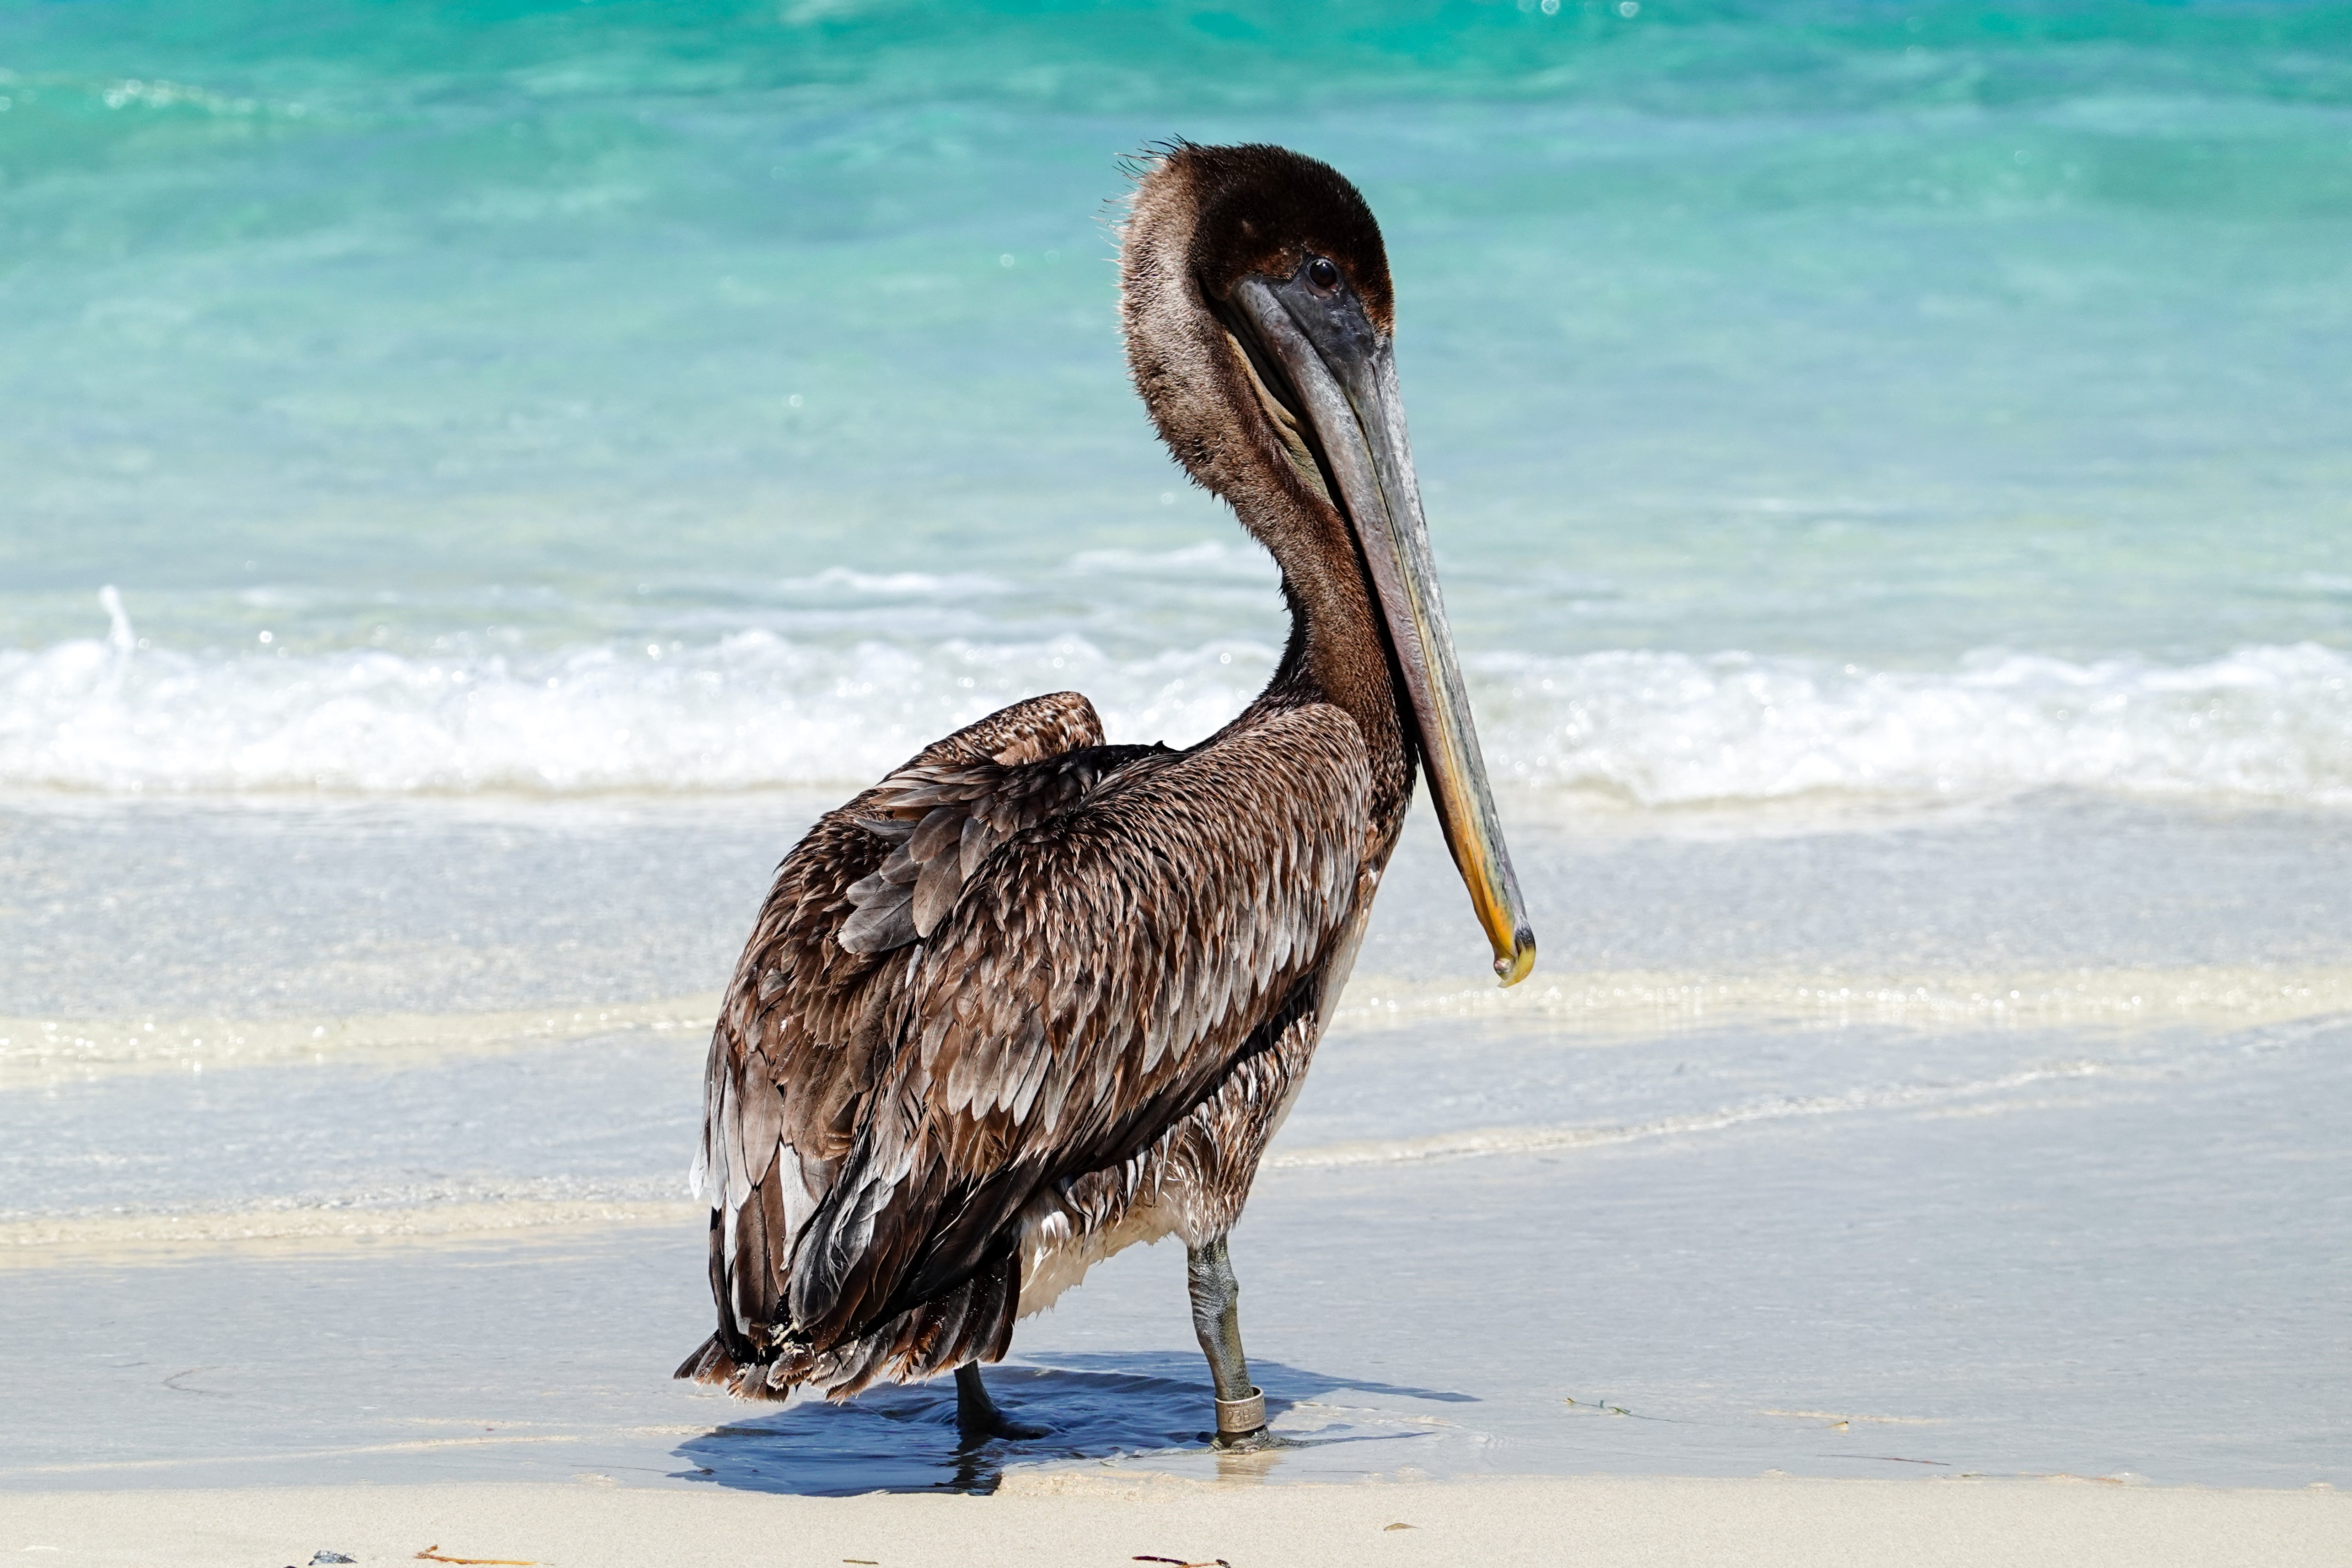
point(1032, 999)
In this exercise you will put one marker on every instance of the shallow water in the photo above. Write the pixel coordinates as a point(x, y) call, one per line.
point(2093, 1278)
point(478, 482)
point(2004, 1137)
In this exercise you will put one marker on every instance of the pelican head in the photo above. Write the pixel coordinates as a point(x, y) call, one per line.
point(1260, 329)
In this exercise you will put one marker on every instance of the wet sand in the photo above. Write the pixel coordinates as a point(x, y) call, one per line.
point(1999, 1143)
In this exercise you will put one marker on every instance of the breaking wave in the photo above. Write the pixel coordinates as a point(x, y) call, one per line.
point(1662, 729)
point(758, 710)
point(750, 710)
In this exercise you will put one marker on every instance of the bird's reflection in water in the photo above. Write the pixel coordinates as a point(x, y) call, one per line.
point(1094, 1407)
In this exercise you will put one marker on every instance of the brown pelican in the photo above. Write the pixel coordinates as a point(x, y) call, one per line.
point(1032, 998)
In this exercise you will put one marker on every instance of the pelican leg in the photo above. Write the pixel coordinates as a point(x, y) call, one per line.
point(1217, 1319)
point(977, 1415)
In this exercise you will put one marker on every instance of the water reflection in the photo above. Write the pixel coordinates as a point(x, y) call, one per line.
point(1095, 1407)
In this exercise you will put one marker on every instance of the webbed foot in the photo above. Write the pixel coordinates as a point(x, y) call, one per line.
point(1252, 1442)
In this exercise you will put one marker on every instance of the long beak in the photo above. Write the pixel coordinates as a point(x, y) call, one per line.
point(1344, 376)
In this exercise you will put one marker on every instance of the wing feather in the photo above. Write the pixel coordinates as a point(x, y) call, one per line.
point(792, 1057)
point(1119, 956)
point(761, 1116)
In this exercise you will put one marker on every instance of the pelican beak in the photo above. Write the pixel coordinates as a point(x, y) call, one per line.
point(1342, 376)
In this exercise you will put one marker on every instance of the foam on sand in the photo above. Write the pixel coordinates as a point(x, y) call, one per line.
point(80, 1241)
point(1589, 1007)
point(36, 1052)
point(1610, 1005)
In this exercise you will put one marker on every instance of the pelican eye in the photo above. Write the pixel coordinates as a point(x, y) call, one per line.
point(1322, 274)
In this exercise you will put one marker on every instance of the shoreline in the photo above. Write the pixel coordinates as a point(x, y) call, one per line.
point(1979, 1130)
point(1074, 1518)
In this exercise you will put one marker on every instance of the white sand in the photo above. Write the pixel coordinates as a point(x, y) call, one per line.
point(1593, 1523)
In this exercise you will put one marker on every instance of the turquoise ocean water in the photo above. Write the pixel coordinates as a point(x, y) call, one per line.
point(476, 480)
point(1860, 397)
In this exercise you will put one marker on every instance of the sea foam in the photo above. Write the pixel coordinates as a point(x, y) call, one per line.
point(1664, 728)
point(746, 711)
point(755, 710)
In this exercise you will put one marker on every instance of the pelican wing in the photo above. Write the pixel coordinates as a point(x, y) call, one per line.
point(794, 1044)
point(1095, 978)
point(944, 818)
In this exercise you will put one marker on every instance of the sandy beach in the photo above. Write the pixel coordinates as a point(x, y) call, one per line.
point(1076, 1522)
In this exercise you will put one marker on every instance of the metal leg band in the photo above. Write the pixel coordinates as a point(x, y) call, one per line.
point(1242, 1414)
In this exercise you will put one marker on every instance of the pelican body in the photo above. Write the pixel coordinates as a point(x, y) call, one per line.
point(1031, 999)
